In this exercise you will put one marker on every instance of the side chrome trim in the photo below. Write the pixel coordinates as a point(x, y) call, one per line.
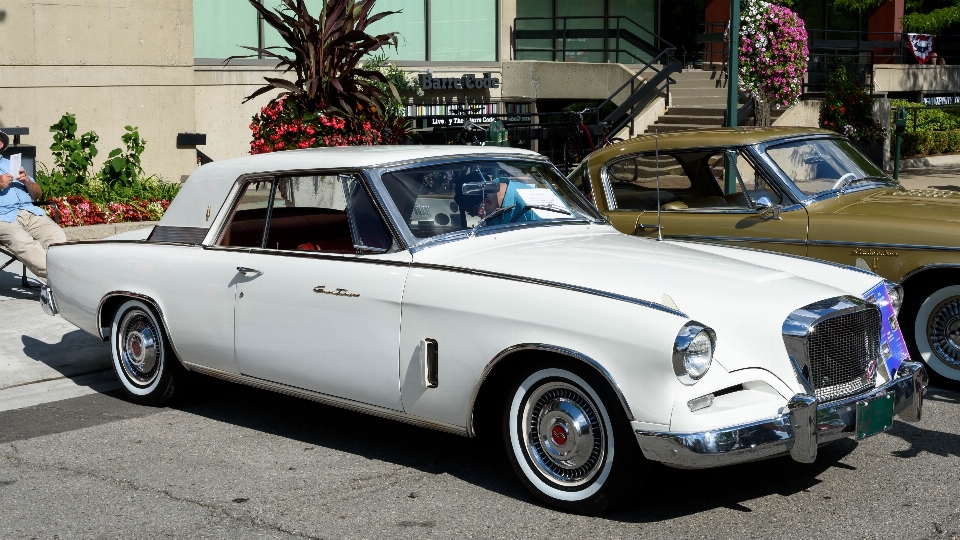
point(555, 284)
point(840, 243)
point(365, 259)
point(926, 267)
point(548, 348)
point(797, 430)
point(137, 296)
point(702, 238)
point(326, 399)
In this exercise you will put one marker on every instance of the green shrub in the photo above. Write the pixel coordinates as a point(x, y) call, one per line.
point(925, 143)
point(120, 180)
point(927, 118)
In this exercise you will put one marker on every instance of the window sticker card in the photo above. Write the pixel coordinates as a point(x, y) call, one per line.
point(543, 197)
point(893, 349)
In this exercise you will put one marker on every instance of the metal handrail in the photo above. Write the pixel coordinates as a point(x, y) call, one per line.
point(916, 110)
point(564, 34)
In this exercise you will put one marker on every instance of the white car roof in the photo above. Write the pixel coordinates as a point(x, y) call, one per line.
point(209, 185)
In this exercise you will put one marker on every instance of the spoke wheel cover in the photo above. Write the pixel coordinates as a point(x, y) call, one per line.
point(943, 331)
point(563, 434)
point(138, 343)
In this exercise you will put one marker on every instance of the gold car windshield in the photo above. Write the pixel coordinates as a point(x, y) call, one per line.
point(821, 165)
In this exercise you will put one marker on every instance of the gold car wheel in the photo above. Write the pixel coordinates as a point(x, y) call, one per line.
point(937, 331)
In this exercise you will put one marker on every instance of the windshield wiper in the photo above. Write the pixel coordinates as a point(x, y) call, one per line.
point(556, 209)
point(491, 215)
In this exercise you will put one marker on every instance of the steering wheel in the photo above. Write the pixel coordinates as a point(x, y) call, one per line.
point(844, 180)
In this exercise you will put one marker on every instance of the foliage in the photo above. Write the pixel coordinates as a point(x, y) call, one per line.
point(77, 210)
point(325, 54)
point(335, 100)
point(925, 143)
point(928, 118)
point(848, 109)
point(858, 6)
point(72, 156)
point(121, 180)
point(773, 53)
point(933, 22)
point(286, 124)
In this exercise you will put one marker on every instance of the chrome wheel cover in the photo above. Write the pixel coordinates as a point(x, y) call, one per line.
point(563, 433)
point(943, 331)
point(138, 342)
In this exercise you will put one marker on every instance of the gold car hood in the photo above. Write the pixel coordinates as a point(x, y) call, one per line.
point(907, 204)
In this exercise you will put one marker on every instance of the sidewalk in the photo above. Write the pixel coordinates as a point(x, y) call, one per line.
point(947, 178)
point(43, 358)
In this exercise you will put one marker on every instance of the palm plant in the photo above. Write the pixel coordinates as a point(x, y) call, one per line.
point(324, 53)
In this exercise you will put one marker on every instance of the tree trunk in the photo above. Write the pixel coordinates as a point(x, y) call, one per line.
point(761, 112)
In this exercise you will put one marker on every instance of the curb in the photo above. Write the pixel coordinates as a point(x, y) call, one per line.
point(931, 161)
point(99, 232)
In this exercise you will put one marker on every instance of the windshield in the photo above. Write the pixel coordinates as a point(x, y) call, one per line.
point(439, 199)
point(820, 165)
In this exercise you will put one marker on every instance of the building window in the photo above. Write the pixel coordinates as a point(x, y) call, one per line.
point(460, 30)
point(463, 30)
point(220, 27)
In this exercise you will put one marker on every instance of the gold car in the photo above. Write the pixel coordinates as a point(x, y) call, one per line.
point(797, 191)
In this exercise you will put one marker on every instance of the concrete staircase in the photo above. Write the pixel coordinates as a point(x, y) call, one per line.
point(696, 102)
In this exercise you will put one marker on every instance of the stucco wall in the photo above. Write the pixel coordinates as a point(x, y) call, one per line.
point(110, 62)
point(911, 78)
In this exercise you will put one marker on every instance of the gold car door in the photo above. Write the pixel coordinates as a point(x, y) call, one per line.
point(697, 203)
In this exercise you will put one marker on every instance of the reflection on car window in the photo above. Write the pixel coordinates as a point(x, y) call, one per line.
point(822, 165)
point(749, 178)
point(634, 181)
point(439, 199)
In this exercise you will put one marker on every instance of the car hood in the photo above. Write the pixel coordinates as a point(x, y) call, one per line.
point(745, 295)
point(889, 216)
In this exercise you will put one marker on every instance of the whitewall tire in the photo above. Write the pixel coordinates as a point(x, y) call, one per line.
point(566, 440)
point(142, 359)
point(936, 332)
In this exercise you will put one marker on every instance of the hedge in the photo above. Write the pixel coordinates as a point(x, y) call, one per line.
point(925, 143)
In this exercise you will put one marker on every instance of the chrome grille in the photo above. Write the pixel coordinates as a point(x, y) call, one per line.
point(841, 350)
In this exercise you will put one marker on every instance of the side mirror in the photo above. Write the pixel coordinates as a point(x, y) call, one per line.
point(766, 209)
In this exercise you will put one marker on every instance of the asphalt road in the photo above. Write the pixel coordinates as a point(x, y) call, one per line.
point(237, 462)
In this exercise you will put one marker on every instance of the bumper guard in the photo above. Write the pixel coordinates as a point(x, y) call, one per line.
point(802, 427)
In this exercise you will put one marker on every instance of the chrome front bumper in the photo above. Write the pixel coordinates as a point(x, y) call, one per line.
point(47, 302)
point(799, 430)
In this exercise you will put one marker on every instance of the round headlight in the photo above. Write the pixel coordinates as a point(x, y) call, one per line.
point(693, 352)
point(698, 356)
point(895, 292)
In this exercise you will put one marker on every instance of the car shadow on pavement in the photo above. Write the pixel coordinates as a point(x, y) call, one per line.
point(77, 353)
point(483, 463)
point(11, 285)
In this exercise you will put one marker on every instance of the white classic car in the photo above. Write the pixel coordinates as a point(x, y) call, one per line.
point(472, 289)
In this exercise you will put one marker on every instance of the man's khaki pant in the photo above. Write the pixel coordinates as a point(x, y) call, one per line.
point(29, 237)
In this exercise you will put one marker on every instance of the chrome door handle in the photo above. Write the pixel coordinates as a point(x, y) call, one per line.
point(244, 270)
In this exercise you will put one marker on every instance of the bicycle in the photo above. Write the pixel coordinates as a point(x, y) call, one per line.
point(574, 149)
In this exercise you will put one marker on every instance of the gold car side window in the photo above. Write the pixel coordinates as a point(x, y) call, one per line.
point(633, 181)
point(753, 180)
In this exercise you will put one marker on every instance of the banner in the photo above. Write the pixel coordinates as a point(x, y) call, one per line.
point(922, 46)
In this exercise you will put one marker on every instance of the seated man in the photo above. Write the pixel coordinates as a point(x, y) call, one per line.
point(506, 195)
point(25, 230)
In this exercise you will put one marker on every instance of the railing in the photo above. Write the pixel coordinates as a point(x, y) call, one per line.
point(887, 47)
point(858, 63)
point(584, 39)
point(932, 116)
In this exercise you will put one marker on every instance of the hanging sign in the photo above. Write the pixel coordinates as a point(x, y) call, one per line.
point(922, 46)
point(463, 82)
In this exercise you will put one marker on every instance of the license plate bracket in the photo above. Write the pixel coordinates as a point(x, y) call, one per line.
point(874, 415)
